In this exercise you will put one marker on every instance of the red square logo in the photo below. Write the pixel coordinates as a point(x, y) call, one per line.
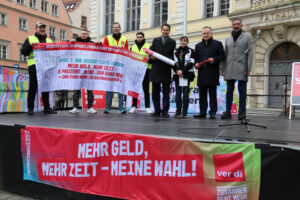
point(229, 167)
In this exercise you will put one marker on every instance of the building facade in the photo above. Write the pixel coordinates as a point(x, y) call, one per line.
point(79, 12)
point(18, 19)
point(148, 15)
point(275, 50)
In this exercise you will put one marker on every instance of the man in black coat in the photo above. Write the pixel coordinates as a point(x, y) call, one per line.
point(84, 37)
point(161, 72)
point(208, 73)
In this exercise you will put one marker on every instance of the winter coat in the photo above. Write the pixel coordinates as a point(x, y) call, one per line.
point(161, 72)
point(236, 60)
point(88, 40)
point(208, 73)
point(27, 48)
point(186, 63)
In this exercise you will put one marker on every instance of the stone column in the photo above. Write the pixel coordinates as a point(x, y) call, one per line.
point(202, 9)
point(102, 18)
point(216, 8)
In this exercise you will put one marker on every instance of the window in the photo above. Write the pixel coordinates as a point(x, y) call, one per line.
point(109, 15)
point(54, 10)
point(160, 12)
point(209, 8)
point(83, 21)
point(45, 6)
point(22, 2)
point(33, 4)
point(72, 5)
point(3, 19)
point(23, 24)
point(3, 51)
point(74, 36)
point(63, 34)
point(133, 15)
point(225, 7)
point(52, 31)
point(22, 58)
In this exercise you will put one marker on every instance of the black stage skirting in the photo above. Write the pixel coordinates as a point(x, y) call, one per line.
point(280, 175)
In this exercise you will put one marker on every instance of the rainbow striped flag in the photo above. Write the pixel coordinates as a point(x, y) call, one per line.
point(13, 91)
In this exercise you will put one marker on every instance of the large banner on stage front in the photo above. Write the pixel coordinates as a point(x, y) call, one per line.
point(140, 167)
point(73, 66)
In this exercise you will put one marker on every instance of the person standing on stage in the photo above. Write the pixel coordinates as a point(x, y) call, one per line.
point(183, 75)
point(208, 73)
point(238, 58)
point(27, 50)
point(161, 72)
point(84, 37)
point(138, 47)
point(116, 40)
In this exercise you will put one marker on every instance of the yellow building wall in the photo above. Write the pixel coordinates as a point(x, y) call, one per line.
point(193, 7)
point(215, 23)
point(117, 11)
point(194, 24)
point(145, 12)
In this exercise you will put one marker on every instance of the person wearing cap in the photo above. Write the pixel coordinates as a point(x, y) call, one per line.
point(84, 37)
point(27, 50)
point(138, 47)
point(116, 40)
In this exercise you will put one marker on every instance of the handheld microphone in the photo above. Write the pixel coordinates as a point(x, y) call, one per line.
point(258, 34)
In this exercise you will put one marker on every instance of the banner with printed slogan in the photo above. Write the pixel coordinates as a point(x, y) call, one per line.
point(140, 167)
point(295, 94)
point(194, 99)
point(68, 66)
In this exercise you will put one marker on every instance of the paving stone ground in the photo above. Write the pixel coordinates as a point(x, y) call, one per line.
point(10, 196)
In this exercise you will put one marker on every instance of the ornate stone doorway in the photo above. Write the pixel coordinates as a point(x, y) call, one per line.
point(281, 60)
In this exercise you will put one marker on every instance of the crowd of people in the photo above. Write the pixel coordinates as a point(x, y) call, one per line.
point(206, 58)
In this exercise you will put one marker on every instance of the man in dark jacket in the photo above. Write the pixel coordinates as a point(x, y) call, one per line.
point(208, 73)
point(161, 72)
point(27, 50)
point(84, 37)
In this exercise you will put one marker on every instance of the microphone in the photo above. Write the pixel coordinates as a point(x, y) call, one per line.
point(258, 34)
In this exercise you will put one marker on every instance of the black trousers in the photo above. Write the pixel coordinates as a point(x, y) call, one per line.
point(76, 97)
point(146, 83)
point(33, 85)
point(156, 97)
point(184, 91)
point(242, 95)
point(212, 90)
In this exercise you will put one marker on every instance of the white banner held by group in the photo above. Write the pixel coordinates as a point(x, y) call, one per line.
point(73, 66)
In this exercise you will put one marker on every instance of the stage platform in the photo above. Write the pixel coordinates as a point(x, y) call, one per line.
point(279, 130)
point(279, 145)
